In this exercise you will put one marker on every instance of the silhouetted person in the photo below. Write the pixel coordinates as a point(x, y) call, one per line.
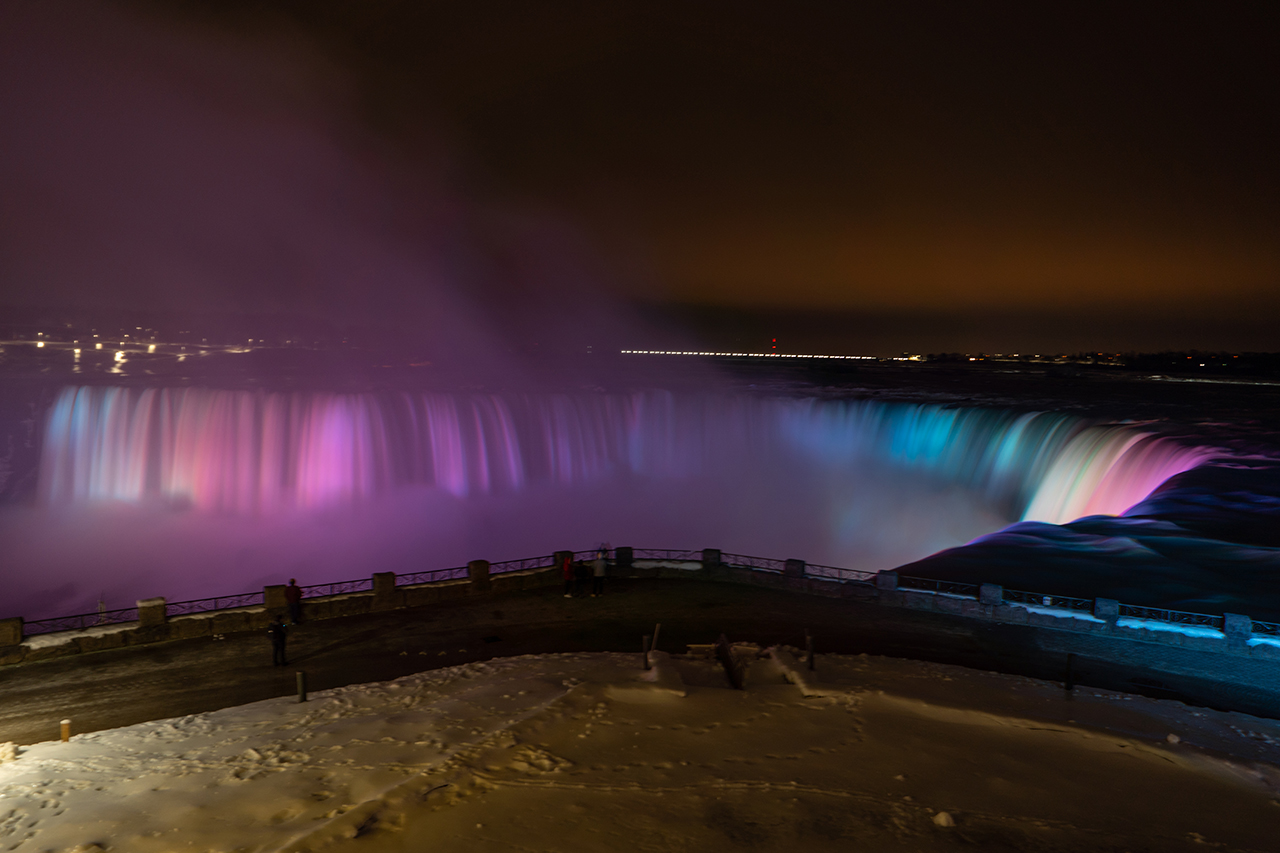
point(597, 574)
point(293, 598)
point(566, 568)
point(278, 632)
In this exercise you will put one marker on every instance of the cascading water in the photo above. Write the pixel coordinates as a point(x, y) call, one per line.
point(190, 492)
point(247, 452)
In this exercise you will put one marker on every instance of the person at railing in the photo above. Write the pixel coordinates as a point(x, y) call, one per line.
point(293, 598)
point(278, 632)
point(566, 569)
point(597, 572)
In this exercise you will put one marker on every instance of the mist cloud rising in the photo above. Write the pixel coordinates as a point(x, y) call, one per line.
point(148, 164)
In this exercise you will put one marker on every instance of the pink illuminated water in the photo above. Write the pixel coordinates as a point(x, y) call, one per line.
point(246, 452)
point(187, 492)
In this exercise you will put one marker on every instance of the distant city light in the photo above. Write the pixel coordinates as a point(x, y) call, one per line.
point(97, 346)
point(151, 347)
point(40, 345)
point(119, 355)
point(744, 354)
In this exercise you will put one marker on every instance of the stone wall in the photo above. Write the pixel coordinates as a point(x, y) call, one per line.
point(1096, 635)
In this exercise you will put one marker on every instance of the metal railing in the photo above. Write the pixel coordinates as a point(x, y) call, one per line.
point(660, 554)
point(544, 562)
point(835, 573)
point(207, 605)
point(1177, 617)
point(80, 621)
point(969, 590)
point(759, 564)
point(431, 576)
point(320, 590)
point(1039, 599)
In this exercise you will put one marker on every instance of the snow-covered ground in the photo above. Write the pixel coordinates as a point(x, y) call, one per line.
point(587, 752)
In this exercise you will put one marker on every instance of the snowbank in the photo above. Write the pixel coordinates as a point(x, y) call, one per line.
point(588, 752)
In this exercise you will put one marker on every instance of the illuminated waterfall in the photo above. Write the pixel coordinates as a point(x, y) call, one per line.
point(255, 452)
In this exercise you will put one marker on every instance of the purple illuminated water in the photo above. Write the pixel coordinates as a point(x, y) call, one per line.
point(188, 492)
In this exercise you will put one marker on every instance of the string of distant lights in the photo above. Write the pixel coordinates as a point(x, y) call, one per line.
point(745, 354)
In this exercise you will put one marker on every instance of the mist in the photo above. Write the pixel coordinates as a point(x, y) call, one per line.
point(154, 164)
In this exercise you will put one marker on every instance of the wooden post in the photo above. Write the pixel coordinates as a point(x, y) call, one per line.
point(66, 730)
point(732, 669)
point(645, 644)
point(657, 629)
point(302, 686)
point(808, 648)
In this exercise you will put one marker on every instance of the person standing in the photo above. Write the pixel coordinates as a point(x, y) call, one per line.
point(278, 632)
point(293, 598)
point(566, 568)
point(597, 573)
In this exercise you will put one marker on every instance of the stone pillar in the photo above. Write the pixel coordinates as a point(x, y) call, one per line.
point(1238, 628)
point(887, 581)
point(1106, 609)
point(11, 631)
point(991, 594)
point(793, 568)
point(478, 572)
point(710, 558)
point(273, 598)
point(622, 557)
point(384, 590)
point(151, 611)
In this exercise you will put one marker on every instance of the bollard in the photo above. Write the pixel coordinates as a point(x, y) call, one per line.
point(653, 647)
point(66, 730)
point(302, 686)
point(645, 645)
point(808, 648)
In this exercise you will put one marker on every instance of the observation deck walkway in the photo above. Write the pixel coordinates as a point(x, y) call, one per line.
point(135, 683)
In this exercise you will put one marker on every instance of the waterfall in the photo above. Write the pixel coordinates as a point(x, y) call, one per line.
point(245, 452)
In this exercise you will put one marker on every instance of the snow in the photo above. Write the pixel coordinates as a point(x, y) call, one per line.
point(1173, 627)
point(589, 752)
point(1059, 612)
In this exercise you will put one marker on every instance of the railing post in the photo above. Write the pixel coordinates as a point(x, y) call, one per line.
point(793, 568)
point(11, 631)
point(887, 581)
point(273, 599)
point(622, 557)
point(991, 594)
point(478, 572)
point(384, 590)
point(151, 611)
point(558, 558)
point(1238, 628)
point(710, 558)
point(1106, 609)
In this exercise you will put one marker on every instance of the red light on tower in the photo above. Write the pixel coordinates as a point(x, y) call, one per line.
point(775, 344)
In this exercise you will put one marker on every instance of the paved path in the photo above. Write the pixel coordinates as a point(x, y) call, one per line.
point(130, 685)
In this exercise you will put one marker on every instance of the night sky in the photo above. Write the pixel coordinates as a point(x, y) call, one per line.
point(920, 176)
